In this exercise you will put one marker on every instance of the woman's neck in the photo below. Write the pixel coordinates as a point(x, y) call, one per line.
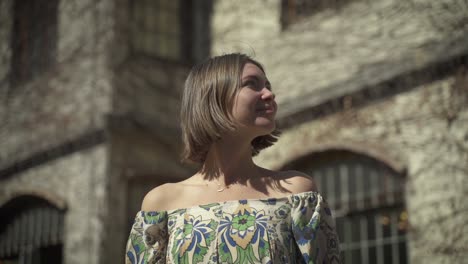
point(229, 161)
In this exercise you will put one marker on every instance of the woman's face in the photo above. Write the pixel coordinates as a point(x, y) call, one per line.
point(255, 107)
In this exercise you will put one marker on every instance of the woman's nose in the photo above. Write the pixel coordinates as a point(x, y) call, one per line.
point(268, 94)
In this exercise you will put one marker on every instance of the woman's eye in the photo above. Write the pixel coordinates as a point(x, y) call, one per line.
point(250, 84)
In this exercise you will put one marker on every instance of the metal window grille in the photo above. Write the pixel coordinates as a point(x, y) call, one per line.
point(162, 28)
point(176, 30)
point(367, 199)
point(34, 38)
point(294, 10)
point(31, 232)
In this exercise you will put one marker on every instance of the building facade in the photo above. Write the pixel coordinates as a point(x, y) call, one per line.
point(373, 103)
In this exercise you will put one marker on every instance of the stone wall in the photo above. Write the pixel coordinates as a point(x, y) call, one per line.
point(336, 46)
point(5, 51)
point(53, 127)
point(70, 98)
point(79, 180)
point(414, 129)
point(148, 91)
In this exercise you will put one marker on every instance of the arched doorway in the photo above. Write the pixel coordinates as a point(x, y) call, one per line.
point(31, 232)
point(367, 198)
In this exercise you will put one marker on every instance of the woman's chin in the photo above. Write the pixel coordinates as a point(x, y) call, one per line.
point(267, 126)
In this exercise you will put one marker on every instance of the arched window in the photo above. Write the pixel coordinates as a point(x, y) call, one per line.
point(367, 198)
point(31, 231)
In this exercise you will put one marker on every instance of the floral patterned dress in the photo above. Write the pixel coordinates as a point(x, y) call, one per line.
point(298, 228)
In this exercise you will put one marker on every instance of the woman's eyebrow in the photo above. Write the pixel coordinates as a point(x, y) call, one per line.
point(252, 77)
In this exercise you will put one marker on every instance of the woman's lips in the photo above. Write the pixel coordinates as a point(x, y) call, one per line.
point(267, 110)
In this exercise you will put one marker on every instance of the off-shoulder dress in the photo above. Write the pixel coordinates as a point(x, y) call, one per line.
point(298, 228)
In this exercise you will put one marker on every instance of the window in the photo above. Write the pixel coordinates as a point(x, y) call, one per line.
point(34, 38)
point(174, 30)
point(368, 202)
point(294, 10)
point(31, 231)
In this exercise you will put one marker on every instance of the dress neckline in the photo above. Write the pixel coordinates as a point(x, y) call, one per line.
point(264, 199)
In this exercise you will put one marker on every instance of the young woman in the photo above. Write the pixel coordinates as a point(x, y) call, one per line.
point(231, 210)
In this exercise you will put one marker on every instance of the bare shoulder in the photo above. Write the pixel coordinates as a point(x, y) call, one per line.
point(296, 181)
point(160, 198)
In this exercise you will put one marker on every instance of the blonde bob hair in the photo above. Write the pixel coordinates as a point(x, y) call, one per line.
point(207, 102)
